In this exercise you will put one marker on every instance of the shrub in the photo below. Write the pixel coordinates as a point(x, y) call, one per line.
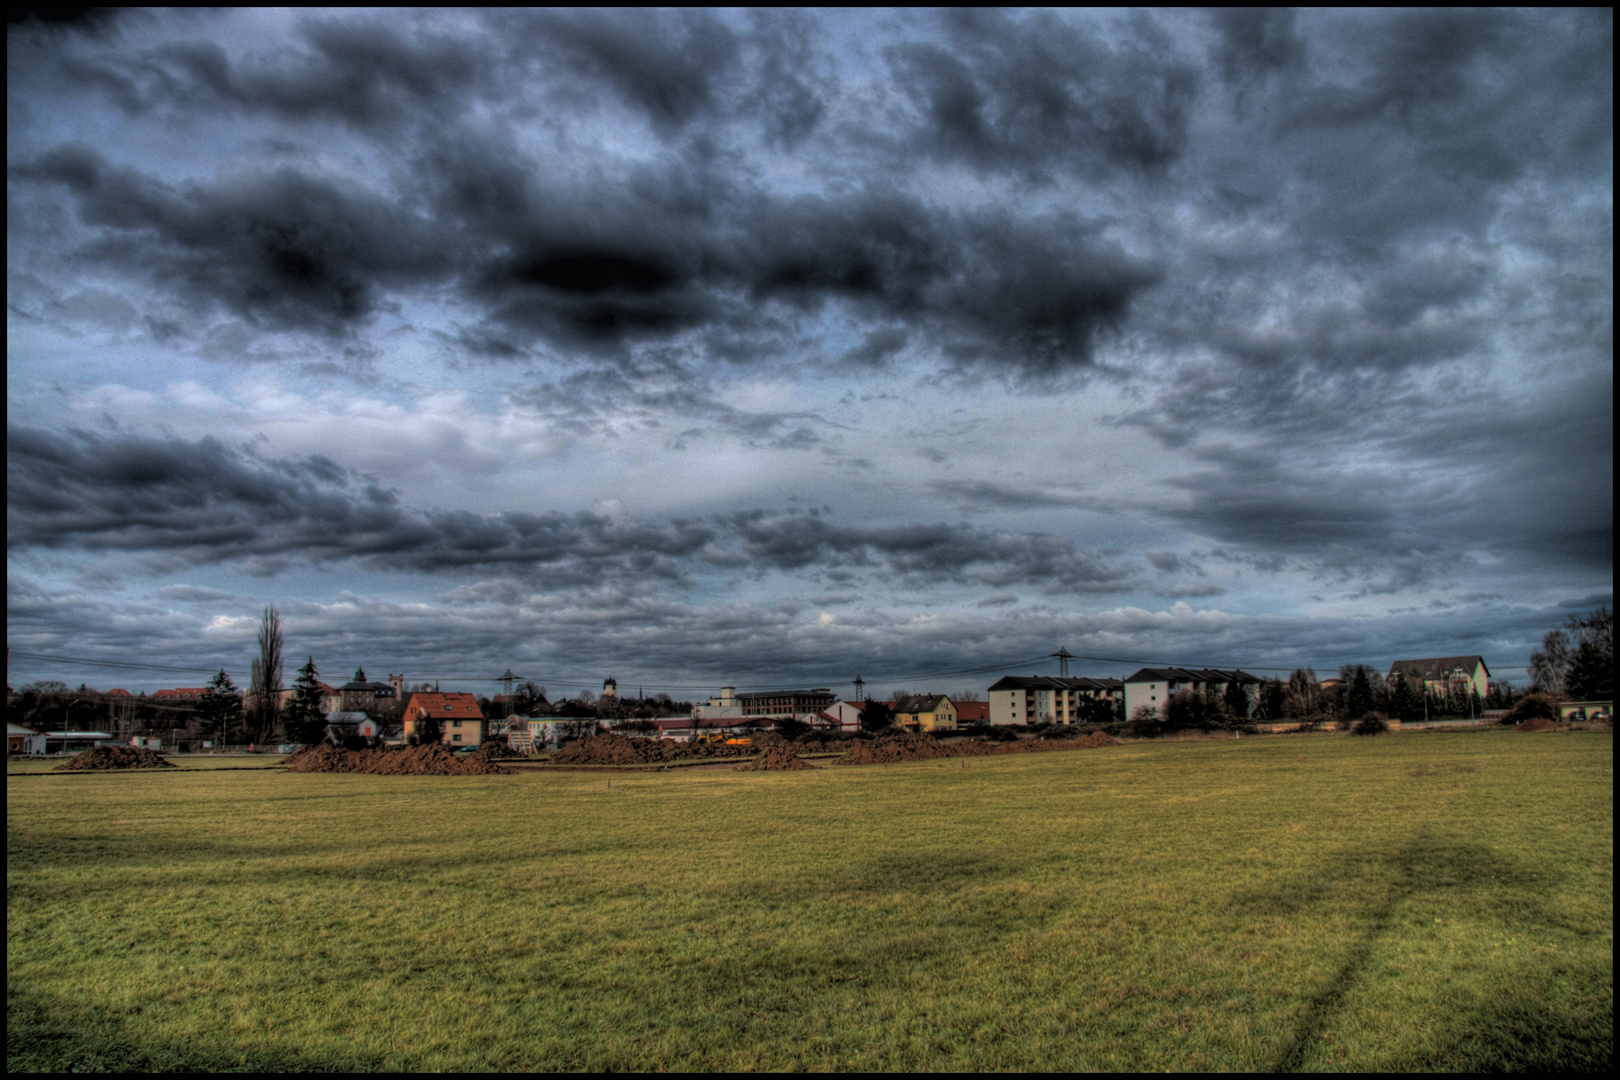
point(999, 733)
point(1532, 707)
point(1145, 723)
point(1370, 724)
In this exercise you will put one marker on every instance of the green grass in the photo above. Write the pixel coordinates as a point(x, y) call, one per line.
point(1424, 901)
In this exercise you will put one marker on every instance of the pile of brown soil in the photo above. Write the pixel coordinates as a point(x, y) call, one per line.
point(782, 756)
point(116, 757)
point(1539, 723)
point(496, 751)
point(909, 746)
point(431, 760)
point(610, 749)
point(900, 746)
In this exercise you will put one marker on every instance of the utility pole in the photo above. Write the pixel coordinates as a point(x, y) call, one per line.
point(1063, 657)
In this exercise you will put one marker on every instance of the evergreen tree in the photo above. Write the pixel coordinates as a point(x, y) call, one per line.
point(1360, 700)
point(1591, 673)
point(1404, 704)
point(876, 716)
point(302, 721)
point(1236, 700)
point(220, 707)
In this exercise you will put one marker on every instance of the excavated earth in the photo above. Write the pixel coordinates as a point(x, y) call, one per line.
point(430, 760)
point(909, 746)
point(782, 756)
point(610, 749)
point(1539, 723)
point(116, 757)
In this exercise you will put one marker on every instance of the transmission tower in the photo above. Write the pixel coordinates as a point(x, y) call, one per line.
point(1063, 658)
point(860, 689)
point(506, 680)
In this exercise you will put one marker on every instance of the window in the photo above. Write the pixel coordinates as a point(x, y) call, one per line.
point(455, 738)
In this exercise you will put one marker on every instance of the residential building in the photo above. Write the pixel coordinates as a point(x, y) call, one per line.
point(1444, 674)
point(461, 721)
point(925, 712)
point(180, 693)
point(1047, 699)
point(730, 705)
point(1153, 686)
point(360, 695)
point(972, 713)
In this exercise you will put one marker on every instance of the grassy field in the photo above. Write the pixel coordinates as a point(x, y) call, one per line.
point(1423, 901)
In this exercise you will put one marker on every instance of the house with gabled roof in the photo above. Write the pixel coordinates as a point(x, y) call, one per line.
point(925, 712)
point(1444, 674)
point(461, 722)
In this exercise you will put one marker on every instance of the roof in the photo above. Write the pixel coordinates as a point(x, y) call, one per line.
point(972, 711)
point(77, 734)
point(443, 706)
point(18, 729)
point(819, 691)
point(181, 691)
point(1056, 682)
point(1438, 667)
point(1193, 675)
point(921, 703)
point(118, 692)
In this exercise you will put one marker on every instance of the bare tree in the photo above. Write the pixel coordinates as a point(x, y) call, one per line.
point(1302, 695)
point(1549, 663)
point(967, 695)
point(267, 672)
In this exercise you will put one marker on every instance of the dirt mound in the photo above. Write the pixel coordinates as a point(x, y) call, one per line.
point(116, 757)
point(613, 749)
point(496, 751)
point(783, 756)
point(907, 746)
point(1539, 723)
point(892, 748)
point(431, 760)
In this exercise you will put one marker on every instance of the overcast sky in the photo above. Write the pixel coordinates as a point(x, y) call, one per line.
point(780, 347)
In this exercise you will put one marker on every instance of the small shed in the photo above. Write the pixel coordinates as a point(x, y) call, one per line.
point(22, 740)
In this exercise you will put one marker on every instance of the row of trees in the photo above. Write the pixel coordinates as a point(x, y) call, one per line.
point(1359, 690)
point(1577, 661)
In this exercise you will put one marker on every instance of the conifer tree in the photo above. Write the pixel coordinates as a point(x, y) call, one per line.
point(221, 707)
point(302, 721)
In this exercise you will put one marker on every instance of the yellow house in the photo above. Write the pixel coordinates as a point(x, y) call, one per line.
point(460, 720)
point(926, 712)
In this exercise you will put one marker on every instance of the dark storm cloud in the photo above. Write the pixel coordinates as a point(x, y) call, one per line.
point(985, 495)
point(669, 64)
point(640, 261)
point(203, 502)
point(364, 72)
point(1256, 42)
point(946, 551)
point(287, 250)
point(1038, 93)
point(647, 258)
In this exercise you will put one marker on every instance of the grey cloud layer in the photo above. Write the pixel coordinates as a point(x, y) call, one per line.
point(1353, 269)
point(203, 502)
